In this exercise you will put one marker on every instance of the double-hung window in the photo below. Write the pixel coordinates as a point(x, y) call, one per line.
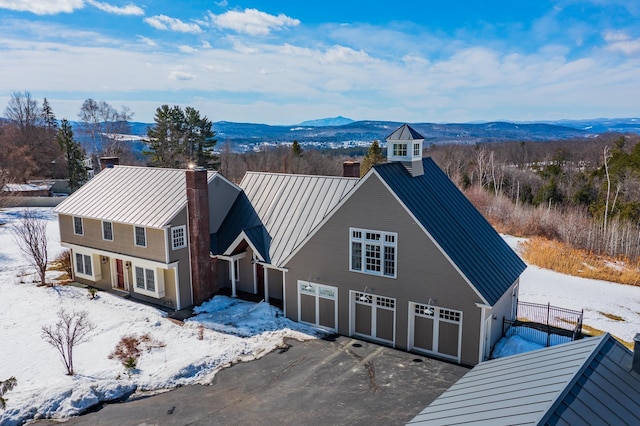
point(83, 264)
point(77, 226)
point(140, 236)
point(107, 231)
point(145, 279)
point(373, 252)
point(178, 237)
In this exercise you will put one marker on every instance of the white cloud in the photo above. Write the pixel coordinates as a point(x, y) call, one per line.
point(130, 9)
point(187, 49)
point(147, 41)
point(252, 21)
point(163, 22)
point(344, 54)
point(42, 7)
point(622, 42)
point(206, 45)
point(181, 76)
point(223, 3)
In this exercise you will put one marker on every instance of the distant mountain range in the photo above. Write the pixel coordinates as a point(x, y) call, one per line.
point(342, 132)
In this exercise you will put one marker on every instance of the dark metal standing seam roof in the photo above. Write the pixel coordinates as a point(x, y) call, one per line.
point(489, 264)
point(404, 133)
point(585, 382)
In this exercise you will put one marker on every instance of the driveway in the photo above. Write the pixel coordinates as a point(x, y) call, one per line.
point(318, 382)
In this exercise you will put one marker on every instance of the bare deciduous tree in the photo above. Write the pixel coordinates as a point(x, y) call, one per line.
point(6, 386)
point(70, 330)
point(30, 234)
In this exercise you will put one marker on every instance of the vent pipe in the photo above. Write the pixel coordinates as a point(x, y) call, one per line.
point(636, 354)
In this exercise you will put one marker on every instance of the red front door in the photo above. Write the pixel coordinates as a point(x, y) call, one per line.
point(119, 274)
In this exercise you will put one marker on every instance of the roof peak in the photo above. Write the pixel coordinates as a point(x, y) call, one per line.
point(404, 133)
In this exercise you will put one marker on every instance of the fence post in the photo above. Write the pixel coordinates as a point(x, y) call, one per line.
point(548, 326)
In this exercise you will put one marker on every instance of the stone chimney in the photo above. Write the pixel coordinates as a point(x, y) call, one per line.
point(108, 162)
point(635, 366)
point(351, 169)
point(202, 280)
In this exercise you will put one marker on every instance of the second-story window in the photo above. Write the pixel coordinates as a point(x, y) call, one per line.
point(77, 226)
point(373, 252)
point(178, 237)
point(107, 231)
point(140, 236)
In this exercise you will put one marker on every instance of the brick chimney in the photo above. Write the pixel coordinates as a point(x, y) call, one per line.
point(202, 280)
point(108, 162)
point(351, 169)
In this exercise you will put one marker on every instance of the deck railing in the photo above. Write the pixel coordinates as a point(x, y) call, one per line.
point(533, 318)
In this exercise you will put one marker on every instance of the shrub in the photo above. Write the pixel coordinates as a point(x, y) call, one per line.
point(130, 348)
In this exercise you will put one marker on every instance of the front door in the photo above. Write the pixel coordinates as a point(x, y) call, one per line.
point(119, 275)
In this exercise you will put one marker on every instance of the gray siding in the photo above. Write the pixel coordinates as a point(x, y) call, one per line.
point(502, 309)
point(423, 272)
point(181, 256)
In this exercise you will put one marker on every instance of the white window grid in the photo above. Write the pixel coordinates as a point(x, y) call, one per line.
point(107, 231)
point(399, 149)
point(449, 315)
point(424, 310)
point(363, 298)
point(385, 302)
point(140, 236)
point(373, 252)
point(78, 229)
point(179, 237)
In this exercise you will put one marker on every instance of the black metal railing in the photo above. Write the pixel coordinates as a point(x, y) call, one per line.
point(532, 319)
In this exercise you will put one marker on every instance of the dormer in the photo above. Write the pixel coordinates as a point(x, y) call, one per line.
point(405, 146)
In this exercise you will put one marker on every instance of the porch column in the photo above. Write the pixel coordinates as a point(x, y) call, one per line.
point(265, 273)
point(284, 294)
point(255, 275)
point(233, 278)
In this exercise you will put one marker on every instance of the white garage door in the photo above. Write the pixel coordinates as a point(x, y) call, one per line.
point(373, 317)
point(318, 305)
point(435, 330)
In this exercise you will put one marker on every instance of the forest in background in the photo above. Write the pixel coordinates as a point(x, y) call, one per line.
point(583, 193)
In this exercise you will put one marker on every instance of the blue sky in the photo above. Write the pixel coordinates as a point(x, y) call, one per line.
point(283, 62)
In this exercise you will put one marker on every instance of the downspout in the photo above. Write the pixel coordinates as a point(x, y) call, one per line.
point(482, 333)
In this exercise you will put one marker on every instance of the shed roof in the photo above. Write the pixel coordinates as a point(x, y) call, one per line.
point(487, 262)
point(587, 381)
point(404, 133)
point(287, 207)
point(143, 196)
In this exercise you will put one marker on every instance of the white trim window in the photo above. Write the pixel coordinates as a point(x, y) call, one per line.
point(78, 229)
point(140, 236)
point(83, 265)
point(399, 149)
point(416, 150)
point(107, 231)
point(373, 252)
point(178, 237)
point(145, 279)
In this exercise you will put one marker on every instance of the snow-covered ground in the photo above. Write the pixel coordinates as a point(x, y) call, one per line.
point(231, 331)
point(243, 331)
point(596, 297)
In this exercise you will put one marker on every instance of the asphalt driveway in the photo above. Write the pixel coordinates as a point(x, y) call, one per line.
point(319, 382)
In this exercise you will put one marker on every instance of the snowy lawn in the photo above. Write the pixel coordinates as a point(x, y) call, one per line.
point(231, 331)
point(610, 307)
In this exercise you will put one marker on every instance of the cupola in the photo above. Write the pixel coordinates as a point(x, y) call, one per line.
point(405, 146)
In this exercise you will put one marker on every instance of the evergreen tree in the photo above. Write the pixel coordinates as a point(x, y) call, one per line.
point(374, 156)
point(48, 117)
point(296, 149)
point(199, 138)
point(165, 137)
point(180, 138)
point(73, 154)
